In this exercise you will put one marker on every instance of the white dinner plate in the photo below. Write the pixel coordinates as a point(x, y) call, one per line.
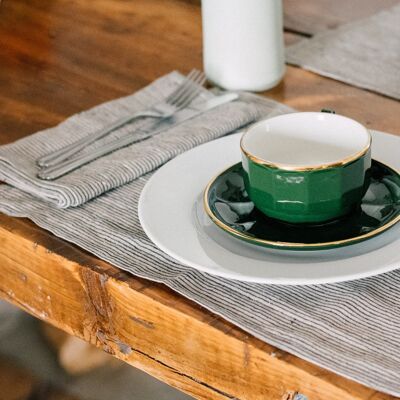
point(172, 215)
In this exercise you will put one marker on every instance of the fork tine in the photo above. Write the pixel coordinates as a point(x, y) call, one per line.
point(190, 94)
point(199, 84)
point(188, 89)
point(181, 86)
point(193, 92)
point(185, 87)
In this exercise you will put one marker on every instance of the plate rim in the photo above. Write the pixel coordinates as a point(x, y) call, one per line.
point(292, 245)
point(191, 260)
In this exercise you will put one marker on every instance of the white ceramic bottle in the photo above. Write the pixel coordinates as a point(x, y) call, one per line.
point(243, 43)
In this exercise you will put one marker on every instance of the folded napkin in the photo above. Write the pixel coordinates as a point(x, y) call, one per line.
point(18, 160)
point(365, 53)
point(351, 328)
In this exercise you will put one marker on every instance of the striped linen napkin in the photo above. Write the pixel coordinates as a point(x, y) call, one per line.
point(17, 160)
point(351, 328)
point(364, 53)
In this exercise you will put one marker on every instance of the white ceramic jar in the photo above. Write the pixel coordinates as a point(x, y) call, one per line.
point(243, 43)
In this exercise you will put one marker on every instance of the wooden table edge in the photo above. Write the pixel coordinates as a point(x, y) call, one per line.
point(140, 322)
point(151, 327)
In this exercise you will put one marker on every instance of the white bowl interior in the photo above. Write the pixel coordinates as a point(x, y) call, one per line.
point(306, 139)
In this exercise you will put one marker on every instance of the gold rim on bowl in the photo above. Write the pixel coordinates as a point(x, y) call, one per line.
point(288, 167)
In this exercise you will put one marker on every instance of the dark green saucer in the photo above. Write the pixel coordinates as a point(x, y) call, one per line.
point(228, 205)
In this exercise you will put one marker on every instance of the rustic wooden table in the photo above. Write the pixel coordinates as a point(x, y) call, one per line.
point(60, 57)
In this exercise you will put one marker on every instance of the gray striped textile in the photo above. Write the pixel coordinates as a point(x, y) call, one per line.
point(127, 164)
point(351, 328)
point(365, 53)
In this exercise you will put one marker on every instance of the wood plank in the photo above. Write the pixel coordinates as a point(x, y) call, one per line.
point(71, 79)
point(150, 327)
point(306, 91)
point(310, 16)
point(61, 57)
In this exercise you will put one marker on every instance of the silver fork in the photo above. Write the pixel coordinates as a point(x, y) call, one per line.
point(180, 98)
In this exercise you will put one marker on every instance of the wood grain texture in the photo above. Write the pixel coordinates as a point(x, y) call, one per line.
point(149, 326)
point(74, 355)
point(60, 57)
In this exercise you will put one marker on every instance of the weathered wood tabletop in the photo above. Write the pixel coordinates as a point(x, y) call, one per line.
point(61, 57)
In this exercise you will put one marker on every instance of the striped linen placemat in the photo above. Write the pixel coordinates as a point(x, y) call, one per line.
point(364, 53)
point(351, 328)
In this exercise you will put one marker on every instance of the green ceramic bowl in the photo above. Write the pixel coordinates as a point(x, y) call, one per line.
point(306, 167)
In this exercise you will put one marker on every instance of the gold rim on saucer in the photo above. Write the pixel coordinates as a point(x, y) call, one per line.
point(294, 245)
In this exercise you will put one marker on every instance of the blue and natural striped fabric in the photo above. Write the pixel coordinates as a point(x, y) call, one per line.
point(351, 328)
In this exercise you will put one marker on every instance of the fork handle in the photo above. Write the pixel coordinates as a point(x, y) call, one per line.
point(67, 151)
point(70, 165)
